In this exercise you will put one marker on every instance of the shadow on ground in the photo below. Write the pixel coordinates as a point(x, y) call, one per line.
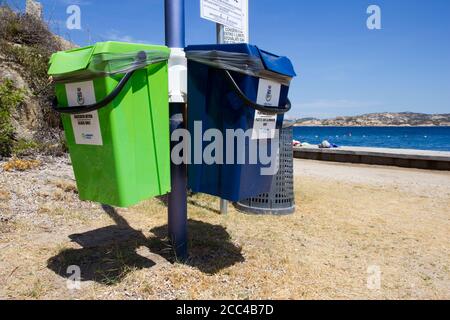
point(109, 254)
point(201, 205)
point(164, 200)
point(210, 247)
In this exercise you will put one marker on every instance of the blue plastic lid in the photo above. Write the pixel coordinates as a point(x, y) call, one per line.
point(271, 62)
point(278, 64)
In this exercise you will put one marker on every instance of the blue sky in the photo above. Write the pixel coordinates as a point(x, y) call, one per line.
point(344, 68)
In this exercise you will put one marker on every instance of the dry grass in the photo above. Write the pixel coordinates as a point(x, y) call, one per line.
point(321, 252)
point(63, 216)
point(7, 227)
point(65, 191)
point(59, 195)
point(21, 165)
point(5, 195)
point(67, 186)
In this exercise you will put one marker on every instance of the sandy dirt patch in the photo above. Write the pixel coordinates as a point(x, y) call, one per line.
point(351, 222)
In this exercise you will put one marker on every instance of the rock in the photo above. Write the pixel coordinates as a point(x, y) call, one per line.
point(26, 117)
point(34, 8)
point(32, 120)
point(64, 44)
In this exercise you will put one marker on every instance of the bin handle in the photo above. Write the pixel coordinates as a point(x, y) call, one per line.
point(250, 103)
point(95, 106)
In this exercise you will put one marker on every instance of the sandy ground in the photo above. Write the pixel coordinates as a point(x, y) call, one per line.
point(418, 182)
point(358, 232)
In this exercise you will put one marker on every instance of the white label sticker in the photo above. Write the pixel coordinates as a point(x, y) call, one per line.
point(86, 127)
point(265, 124)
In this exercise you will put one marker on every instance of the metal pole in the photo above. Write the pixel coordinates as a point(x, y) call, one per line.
point(175, 32)
point(177, 217)
point(220, 31)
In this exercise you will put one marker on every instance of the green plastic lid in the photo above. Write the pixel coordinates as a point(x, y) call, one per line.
point(70, 61)
point(104, 58)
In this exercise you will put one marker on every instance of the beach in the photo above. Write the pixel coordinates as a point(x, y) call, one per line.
point(412, 181)
point(359, 232)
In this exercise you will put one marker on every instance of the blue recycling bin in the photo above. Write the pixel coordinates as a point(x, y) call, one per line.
point(232, 87)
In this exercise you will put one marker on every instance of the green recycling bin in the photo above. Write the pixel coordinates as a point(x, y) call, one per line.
point(113, 98)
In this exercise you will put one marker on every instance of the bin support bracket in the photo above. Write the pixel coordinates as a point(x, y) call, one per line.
point(223, 206)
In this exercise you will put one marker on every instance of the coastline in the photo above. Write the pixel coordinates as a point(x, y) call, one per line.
point(371, 126)
point(406, 158)
point(383, 119)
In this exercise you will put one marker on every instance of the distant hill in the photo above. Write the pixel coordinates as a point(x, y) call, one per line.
point(406, 119)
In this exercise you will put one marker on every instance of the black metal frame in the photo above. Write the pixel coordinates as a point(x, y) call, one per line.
point(96, 106)
point(250, 103)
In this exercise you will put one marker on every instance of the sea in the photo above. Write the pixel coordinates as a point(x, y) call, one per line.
point(419, 138)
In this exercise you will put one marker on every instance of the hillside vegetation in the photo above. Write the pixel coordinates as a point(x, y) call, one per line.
point(27, 123)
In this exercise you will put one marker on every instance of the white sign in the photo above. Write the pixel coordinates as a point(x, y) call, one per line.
point(230, 13)
point(86, 127)
point(265, 124)
point(231, 35)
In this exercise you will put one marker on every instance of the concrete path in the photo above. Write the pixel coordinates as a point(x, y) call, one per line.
point(421, 159)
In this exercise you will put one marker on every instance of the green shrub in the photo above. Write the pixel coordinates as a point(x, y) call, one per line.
point(23, 148)
point(33, 62)
point(25, 29)
point(34, 65)
point(27, 42)
point(10, 98)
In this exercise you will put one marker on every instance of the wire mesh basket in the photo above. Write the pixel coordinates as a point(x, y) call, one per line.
point(281, 199)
